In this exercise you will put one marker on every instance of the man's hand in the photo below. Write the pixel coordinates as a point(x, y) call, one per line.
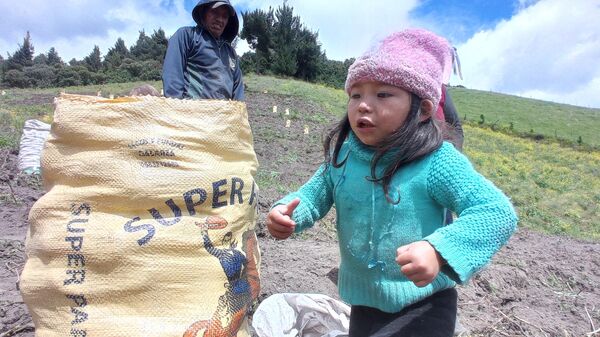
point(419, 262)
point(279, 220)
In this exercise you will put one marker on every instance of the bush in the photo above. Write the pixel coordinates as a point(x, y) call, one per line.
point(99, 78)
point(332, 73)
point(16, 78)
point(118, 76)
point(250, 62)
point(132, 67)
point(151, 71)
point(68, 76)
point(41, 75)
point(130, 71)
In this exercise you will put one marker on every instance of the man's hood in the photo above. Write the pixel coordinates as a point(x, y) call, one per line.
point(233, 25)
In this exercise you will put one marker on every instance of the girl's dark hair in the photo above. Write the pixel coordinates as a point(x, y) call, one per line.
point(413, 140)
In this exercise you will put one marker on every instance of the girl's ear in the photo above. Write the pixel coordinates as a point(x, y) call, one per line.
point(426, 110)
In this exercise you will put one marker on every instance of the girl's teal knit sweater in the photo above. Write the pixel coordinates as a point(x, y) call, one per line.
point(370, 228)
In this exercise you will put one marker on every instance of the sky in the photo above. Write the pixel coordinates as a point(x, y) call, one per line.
point(543, 49)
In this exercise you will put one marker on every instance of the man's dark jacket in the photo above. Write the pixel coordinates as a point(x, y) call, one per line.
point(199, 66)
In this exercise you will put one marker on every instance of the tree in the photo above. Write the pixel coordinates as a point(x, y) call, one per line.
point(23, 57)
point(160, 43)
point(285, 33)
point(257, 31)
point(308, 55)
point(115, 55)
point(2, 62)
point(75, 62)
point(93, 61)
point(281, 45)
point(54, 59)
point(151, 47)
point(40, 59)
point(142, 49)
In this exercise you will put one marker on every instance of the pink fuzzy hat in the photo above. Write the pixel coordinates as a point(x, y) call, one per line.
point(415, 60)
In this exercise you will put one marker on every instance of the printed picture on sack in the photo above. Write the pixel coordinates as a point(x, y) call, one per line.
point(242, 286)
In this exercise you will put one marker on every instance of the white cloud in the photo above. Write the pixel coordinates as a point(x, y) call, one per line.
point(347, 28)
point(73, 27)
point(522, 4)
point(540, 52)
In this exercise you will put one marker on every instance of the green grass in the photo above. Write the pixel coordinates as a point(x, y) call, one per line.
point(555, 189)
point(333, 101)
point(271, 180)
point(550, 120)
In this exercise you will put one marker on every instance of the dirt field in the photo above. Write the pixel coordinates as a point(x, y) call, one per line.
point(538, 285)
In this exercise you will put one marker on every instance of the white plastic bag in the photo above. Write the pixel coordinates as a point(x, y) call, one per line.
point(32, 141)
point(302, 315)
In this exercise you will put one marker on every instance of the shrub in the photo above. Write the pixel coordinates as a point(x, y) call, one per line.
point(40, 75)
point(16, 78)
point(68, 76)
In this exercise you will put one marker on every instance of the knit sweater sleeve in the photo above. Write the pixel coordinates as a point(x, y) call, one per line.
point(486, 218)
point(316, 199)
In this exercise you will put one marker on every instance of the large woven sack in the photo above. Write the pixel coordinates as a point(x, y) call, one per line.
point(147, 226)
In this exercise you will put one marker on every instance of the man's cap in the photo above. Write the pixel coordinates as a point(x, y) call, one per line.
point(218, 4)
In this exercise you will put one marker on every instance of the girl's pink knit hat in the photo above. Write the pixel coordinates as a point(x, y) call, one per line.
point(415, 60)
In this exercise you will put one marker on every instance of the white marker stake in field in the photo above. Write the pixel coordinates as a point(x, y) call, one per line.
point(99, 93)
point(306, 130)
point(287, 112)
point(274, 108)
point(288, 123)
point(3, 92)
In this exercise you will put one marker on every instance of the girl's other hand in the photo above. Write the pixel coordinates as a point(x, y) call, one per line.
point(419, 262)
point(279, 220)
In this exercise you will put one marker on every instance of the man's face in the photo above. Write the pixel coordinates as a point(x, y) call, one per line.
point(215, 20)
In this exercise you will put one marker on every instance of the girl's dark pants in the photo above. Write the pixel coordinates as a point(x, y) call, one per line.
point(434, 316)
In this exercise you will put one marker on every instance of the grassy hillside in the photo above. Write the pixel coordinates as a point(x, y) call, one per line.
point(529, 116)
point(555, 188)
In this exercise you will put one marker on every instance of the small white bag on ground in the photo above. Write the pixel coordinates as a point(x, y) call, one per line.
point(306, 315)
point(32, 141)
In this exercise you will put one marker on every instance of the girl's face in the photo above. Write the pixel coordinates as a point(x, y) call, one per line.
point(376, 109)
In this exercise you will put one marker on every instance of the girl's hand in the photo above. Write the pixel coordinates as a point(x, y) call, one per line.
point(419, 262)
point(279, 220)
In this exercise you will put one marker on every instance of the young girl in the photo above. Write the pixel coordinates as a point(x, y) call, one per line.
point(391, 177)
